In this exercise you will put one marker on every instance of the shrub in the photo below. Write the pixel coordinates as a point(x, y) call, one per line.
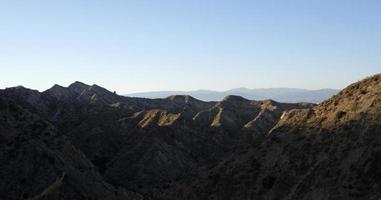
point(340, 114)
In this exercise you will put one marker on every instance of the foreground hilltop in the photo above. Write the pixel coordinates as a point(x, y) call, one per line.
point(137, 144)
point(330, 151)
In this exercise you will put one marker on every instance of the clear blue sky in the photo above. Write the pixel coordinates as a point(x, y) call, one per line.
point(142, 45)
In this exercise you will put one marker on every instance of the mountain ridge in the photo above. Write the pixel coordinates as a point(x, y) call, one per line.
point(330, 151)
point(184, 148)
point(291, 95)
point(112, 130)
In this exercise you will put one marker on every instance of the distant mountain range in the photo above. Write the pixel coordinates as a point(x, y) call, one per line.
point(290, 95)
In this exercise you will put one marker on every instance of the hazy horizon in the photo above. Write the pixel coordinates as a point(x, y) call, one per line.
point(209, 90)
point(66, 84)
point(140, 46)
point(154, 91)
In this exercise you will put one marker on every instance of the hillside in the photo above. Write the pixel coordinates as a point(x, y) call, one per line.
point(331, 151)
point(85, 142)
point(145, 144)
point(38, 163)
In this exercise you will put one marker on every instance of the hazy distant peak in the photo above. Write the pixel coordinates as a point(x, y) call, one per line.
point(290, 95)
point(240, 89)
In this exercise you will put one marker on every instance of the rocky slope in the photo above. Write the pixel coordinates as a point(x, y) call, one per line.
point(142, 144)
point(331, 151)
point(85, 142)
point(38, 163)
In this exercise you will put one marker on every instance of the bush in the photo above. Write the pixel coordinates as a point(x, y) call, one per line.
point(340, 114)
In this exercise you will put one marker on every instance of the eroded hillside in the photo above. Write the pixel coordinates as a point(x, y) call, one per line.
point(83, 141)
point(142, 144)
point(331, 151)
point(38, 163)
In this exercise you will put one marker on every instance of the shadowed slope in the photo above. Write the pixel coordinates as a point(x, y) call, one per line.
point(38, 163)
point(331, 151)
point(144, 144)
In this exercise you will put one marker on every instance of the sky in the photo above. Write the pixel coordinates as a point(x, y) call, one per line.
point(151, 45)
